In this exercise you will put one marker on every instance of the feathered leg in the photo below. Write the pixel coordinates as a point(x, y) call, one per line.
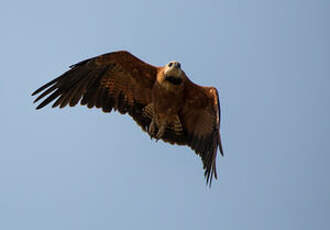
point(161, 130)
point(152, 129)
point(148, 111)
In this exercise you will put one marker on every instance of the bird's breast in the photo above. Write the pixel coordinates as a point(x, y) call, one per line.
point(166, 101)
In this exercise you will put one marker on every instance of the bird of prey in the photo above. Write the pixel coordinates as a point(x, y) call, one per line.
point(162, 100)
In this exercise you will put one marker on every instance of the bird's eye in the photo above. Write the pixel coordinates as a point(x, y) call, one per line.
point(179, 65)
point(170, 64)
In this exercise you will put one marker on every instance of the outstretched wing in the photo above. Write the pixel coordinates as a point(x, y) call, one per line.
point(116, 80)
point(201, 121)
point(200, 118)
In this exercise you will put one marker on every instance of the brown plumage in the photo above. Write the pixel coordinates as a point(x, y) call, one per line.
point(162, 100)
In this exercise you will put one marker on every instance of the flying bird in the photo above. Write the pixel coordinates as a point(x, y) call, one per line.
point(162, 100)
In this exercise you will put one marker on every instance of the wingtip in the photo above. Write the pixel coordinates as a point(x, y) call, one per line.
point(220, 145)
point(209, 176)
point(38, 107)
point(209, 181)
point(221, 151)
point(35, 100)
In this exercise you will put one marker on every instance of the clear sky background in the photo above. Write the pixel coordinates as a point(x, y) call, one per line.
point(82, 169)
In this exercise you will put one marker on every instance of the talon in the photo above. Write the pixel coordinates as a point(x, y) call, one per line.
point(160, 133)
point(152, 129)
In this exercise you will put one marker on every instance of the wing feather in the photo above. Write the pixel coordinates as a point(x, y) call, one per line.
point(200, 117)
point(116, 80)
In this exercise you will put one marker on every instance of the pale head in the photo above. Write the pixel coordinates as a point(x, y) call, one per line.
point(172, 77)
point(173, 69)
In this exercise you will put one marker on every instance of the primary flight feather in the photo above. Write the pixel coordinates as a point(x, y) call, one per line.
point(162, 100)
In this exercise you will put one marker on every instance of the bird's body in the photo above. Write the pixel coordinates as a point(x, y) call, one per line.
point(167, 88)
point(166, 113)
point(162, 100)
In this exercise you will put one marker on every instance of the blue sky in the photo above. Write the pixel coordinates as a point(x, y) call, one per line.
point(82, 169)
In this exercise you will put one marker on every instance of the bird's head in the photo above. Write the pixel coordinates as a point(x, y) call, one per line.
point(173, 73)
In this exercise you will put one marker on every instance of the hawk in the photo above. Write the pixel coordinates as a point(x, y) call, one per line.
point(162, 100)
